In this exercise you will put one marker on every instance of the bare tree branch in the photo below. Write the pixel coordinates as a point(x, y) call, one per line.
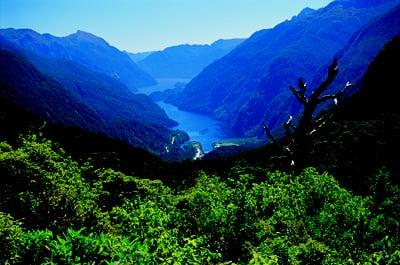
point(298, 140)
point(319, 123)
point(270, 135)
point(326, 98)
point(285, 149)
point(333, 70)
point(288, 124)
point(301, 98)
point(302, 86)
point(346, 87)
point(337, 95)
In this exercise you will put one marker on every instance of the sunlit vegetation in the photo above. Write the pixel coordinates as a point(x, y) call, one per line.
point(70, 196)
point(58, 211)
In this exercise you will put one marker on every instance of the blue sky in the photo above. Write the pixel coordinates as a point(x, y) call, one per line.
point(141, 25)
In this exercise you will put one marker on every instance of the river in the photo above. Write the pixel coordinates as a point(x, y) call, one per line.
point(200, 128)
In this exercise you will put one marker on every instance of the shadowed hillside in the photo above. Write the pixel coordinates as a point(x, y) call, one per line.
point(249, 86)
point(84, 48)
point(24, 85)
point(186, 61)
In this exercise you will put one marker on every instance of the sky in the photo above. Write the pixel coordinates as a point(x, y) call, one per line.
point(146, 25)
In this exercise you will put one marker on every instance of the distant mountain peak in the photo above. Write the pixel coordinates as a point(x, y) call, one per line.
point(81, 47)
point(15, 32)
point(88, 37)
point(84, 33)
point(186, 60)
point(248, 86)
point(306, 11)
point(224, 41)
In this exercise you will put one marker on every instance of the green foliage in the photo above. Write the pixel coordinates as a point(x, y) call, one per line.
point(47, 186)
point(36, 246)
point(66, 212)
point(211, 209)
point(68, 93)
point(55, 210)
point(10, 239)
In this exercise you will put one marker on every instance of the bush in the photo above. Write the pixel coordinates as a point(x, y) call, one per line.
point(11, 241)
point(71, 213)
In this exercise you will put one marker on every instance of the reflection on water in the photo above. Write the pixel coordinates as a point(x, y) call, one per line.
point(201, 128)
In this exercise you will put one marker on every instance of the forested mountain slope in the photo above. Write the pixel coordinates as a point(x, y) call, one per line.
point(59, 209)
point(359, 137)
point(23, 84)
point(84, 48)
point(354, 59)
point(249, 86)
point(81, 144)
point(186, 61)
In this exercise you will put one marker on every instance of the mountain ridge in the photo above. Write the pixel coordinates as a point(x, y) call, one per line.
point(134, 119)
point(186, 60)
point(354, 58)
point(252, 80)
point(84, 48)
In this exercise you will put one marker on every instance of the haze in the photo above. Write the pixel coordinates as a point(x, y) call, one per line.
point(151, 24)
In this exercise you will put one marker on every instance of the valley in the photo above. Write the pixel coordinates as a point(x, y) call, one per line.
point(200, 132)
point(200, 127)
point(162, 85)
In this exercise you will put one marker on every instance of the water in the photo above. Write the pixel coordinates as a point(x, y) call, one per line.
point(163, 84)
point(200, 128)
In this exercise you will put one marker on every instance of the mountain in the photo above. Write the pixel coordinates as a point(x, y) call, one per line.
point(82, 144)
point(84, 48)
point(359, 137)
point(111, 99)
point(138, 56)
point(249, 86)
point(186, 61)
point(58, 206)
point(378, 94)
point(354, 59)
point(362, 134)
point(24, 85)
point(363, 47)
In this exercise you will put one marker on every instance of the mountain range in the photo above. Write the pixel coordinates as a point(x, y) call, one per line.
point(78, 187)
point(82, 81)
point(90, 199)
point(65, 91)
point(185, 61)
point(138, 56)
point(21, 83)
point(249, 86)
point(82, 47)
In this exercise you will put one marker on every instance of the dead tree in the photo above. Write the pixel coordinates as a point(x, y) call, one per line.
point(299, 138)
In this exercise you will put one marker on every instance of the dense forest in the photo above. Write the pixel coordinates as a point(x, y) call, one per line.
point(67, 202)
point(248, 86)
point(65, 87)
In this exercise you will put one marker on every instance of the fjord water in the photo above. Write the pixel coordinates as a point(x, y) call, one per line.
point(162, 84)
point(201, 128)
